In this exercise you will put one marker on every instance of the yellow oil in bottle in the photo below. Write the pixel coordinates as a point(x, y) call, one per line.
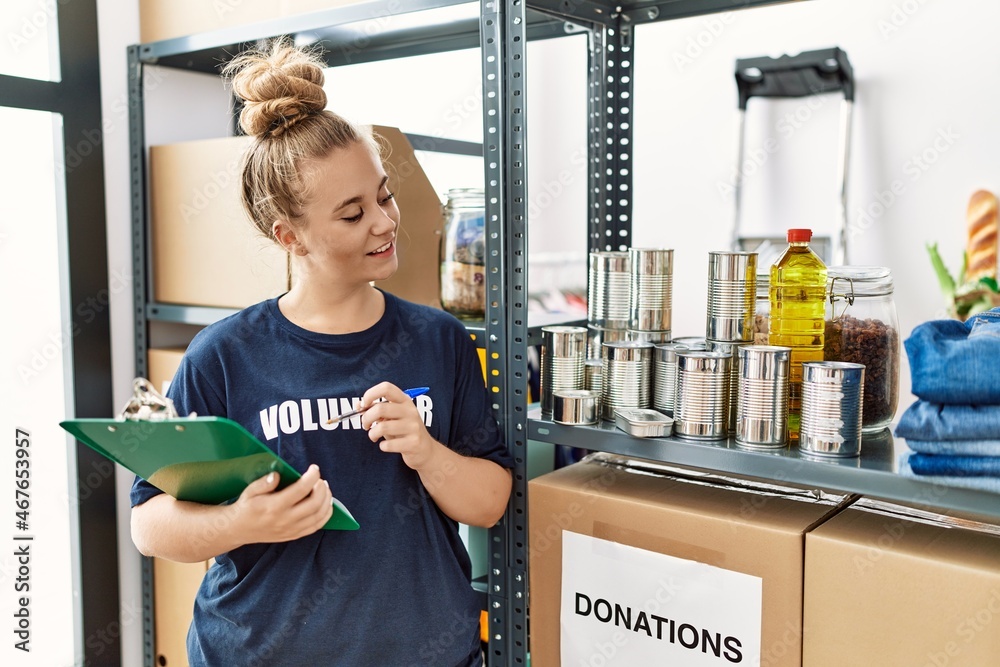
point(797, 299)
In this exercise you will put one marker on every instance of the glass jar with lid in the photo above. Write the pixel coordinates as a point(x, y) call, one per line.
point(463, 254)
point(861, 327)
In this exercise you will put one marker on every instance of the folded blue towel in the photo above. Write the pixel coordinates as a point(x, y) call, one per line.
point(955, 447)
point(956, 363)
point(932, 421)
point(980, 483)
point(956, 466)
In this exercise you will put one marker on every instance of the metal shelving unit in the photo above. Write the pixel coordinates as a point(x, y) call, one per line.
point(366, 32)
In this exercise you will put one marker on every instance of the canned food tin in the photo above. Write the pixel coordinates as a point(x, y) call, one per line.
point(732, 290)
point(701, 407)
point(832, 394)
point(608, 290)
point(575, 406)
point(762, 398)
point(561, 364)
point(625, 377)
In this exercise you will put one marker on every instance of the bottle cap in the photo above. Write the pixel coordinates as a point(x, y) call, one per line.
point(799, 235)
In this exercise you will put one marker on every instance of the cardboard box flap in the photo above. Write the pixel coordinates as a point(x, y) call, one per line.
point(714, 502)
point(691, 476)
point(923, 516)
point(943, 546)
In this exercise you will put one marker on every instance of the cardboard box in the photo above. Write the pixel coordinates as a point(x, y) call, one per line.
point(418, 241)
point(206, 252)
point(161, 364)
point(885, 589)
point(721, 534)
point(166, 19)
point(174, 584)
point(174, 588)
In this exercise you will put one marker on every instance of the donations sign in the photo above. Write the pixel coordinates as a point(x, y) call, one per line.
point(627, 606)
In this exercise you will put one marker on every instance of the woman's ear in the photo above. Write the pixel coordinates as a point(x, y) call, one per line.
point(284, 233)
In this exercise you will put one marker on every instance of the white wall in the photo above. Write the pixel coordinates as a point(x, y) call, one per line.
point(118, 26)
point(925, 118)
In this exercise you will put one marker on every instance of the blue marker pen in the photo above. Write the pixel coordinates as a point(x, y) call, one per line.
point(412, 393)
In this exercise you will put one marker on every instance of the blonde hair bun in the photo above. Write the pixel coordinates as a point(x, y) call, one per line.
point(280, 87)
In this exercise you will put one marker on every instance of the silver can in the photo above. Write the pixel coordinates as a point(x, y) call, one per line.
point(701, 408)
point(561, 363)
point(592, 370)
point(730, 348)
point(575, 406)
point(625, 376)
point(665, 376)
point(608, 289)
point(597, 336)
point(762, 400)
point(732, 293)
point(832, 395)
point(654, 337)
point(692, 342)
point(651, 288)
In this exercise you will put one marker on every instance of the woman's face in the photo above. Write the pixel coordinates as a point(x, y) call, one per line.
point(347, 231)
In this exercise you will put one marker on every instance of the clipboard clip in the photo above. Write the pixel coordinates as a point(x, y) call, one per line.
point(147, 404)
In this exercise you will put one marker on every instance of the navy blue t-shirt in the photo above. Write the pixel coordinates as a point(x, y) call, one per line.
point(394, 593)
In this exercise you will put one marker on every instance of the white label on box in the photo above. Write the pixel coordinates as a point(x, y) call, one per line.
point(627, 606)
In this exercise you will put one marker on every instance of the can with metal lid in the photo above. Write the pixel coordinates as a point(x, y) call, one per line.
point(832, 396)
point(762, 399)
point(625, 376)
point(575, 406)
point(732, 290)
point(701, 407)
point(561, 364)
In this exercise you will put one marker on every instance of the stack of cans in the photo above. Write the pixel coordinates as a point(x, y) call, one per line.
point(650, 294)
point(625, 376)
point(762, 404)
point(701, 410)
point(607, 299)
point(562, 362)
point(832, 395)
point(732, 293)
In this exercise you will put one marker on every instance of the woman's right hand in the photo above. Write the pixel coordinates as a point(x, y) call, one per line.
point(301, 508)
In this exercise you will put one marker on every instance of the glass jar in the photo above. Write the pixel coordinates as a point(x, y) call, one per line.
point(861, 327)
point(463, 254)
point(762, 309)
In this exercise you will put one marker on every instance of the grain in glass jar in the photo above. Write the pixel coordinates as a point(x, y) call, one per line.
point(861, 327)
point(463, 254)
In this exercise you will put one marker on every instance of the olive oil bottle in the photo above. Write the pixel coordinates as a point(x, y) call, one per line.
point(797, 298)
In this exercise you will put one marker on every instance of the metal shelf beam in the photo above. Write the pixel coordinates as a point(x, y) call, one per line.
point(364, 32)
point(872, 474)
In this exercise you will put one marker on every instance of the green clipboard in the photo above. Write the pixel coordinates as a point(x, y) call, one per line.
point(202, 459)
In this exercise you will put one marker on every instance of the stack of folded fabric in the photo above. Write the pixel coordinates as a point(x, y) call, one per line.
point(954, 427)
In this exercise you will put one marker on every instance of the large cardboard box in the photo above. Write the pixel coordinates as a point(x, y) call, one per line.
point(206, 252)
point(166, 19)
point(174, 584)
point(694, 539)
point(884, 588)
point(161, 364)
point(174, 588)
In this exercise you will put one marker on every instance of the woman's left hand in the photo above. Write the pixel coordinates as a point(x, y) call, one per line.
point(396, 422)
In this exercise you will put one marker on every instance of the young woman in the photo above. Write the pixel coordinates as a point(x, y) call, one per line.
point(283, 591)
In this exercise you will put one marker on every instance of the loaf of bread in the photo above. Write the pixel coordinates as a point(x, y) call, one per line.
point(981, 248)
